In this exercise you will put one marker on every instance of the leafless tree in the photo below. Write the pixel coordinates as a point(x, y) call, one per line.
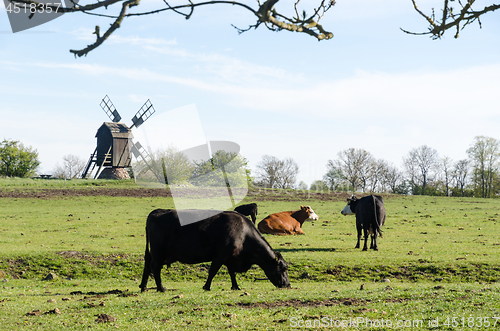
point(420, 164)
point(446, 170)
point(303, 18)
point(355, 165)
point(288, 174)
point(334, 179)
point(267, 171)
point(376, 175)
point(275, 173)
point(392, 178)
point(72, 167)
point(485, 158)
point(455, 14)
point(460, 174)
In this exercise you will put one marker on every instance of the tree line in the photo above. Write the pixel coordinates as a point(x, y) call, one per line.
point(423, 171)
point(172, 167)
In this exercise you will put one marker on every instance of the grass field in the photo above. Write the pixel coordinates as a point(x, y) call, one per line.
point(437, 267)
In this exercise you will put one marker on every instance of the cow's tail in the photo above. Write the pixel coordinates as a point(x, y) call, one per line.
point(147, 264)
point(377, 229)
point(147, 254)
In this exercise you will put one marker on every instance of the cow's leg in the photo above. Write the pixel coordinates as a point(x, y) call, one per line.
point(232, 274)
point(359, 236)
point(365, 246)
point(298, 230)
point(281, 232)
point(254, 218)
point(214, 268)
point(156, 269)
point(146, 272)
point(374, 242)
point(264, 227)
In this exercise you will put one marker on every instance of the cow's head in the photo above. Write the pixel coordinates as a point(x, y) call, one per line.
point(347, 209)
point(311, 215)
point(277, 272)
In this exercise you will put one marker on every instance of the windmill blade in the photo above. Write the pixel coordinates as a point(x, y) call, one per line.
point(143, 114)
point(140, 152)
point(147, 162)
point(110, 109)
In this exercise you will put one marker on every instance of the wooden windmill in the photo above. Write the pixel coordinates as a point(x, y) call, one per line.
point(115, 141)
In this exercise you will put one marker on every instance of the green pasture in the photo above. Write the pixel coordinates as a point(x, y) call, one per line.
point(438, 259)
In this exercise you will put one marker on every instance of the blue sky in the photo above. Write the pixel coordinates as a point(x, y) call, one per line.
point(283, 94)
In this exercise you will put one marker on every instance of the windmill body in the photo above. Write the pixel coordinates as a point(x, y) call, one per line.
point(115, 138)
point(114, 142)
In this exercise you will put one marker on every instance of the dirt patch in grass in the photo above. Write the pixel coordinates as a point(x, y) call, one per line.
point(62, 193)
point(296, 303)
point(299, 303)
point(252, 195)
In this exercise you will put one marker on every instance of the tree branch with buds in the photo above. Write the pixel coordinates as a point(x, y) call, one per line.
point(265, 13)
point(456, 14)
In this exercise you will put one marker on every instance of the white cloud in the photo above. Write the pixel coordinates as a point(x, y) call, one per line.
point(138, 98)
point(424, 95)
point(435, 96)
point(134, 40)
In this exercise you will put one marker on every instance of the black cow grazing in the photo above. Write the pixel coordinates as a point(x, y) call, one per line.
point(248, 210)
point(228, 238)
point(370, 216)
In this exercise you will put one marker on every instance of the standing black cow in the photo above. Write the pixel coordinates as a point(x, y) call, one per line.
point(370, 216)
point(227, 238)
point(248, 210)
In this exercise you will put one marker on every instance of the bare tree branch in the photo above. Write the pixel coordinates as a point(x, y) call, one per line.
point(108, 32)
point(455, 14)
point(264, 12)
point(450, 19)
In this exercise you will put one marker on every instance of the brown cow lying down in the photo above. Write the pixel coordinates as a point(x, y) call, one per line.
point(287, 222)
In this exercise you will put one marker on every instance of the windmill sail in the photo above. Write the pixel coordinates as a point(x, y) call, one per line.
point(110, 109)
point(145, 163)
point(143, 114)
